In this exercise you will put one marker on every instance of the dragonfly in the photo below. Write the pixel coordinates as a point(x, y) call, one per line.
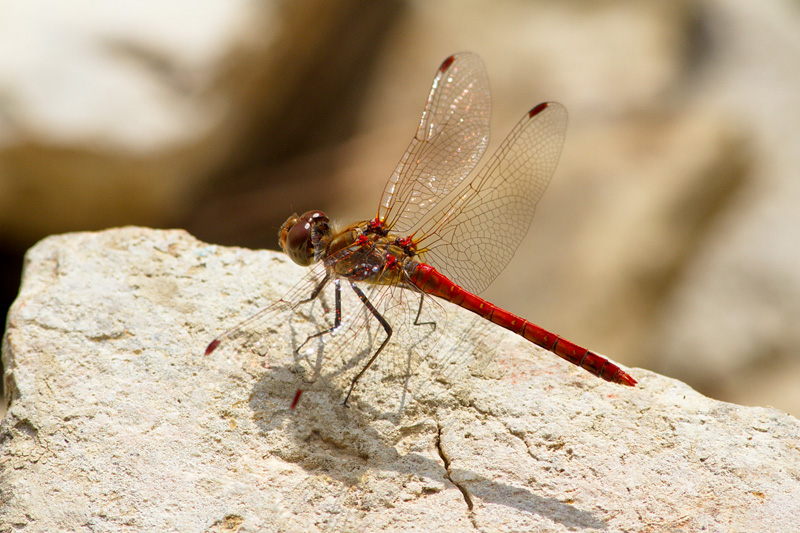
point(440, 231)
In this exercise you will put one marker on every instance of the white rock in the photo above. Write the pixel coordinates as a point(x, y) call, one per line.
point(118, 421)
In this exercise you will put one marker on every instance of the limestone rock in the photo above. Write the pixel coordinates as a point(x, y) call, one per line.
point(118, 421)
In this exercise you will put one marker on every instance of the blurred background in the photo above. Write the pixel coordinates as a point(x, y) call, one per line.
point(669, 238)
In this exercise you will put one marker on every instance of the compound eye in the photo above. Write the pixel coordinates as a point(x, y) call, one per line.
point(312, 216)
point(297, 236)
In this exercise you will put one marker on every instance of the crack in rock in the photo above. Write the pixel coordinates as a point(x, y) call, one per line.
point(446, 462)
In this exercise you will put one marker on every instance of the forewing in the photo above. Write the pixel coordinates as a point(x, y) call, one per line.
point(452, 136)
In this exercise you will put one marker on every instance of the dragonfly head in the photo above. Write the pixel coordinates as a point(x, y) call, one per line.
point(304, 237)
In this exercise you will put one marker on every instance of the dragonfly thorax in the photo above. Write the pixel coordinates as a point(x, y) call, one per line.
point(358, 253)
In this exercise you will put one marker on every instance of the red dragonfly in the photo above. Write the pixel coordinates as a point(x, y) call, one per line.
point(435, 233)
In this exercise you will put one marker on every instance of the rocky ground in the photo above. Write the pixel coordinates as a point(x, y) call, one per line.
point(118, 421)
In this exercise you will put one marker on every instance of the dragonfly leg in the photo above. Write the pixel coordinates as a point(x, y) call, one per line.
point(386, 327)
point(317, 290)
point(337, 317)
point(419, 313)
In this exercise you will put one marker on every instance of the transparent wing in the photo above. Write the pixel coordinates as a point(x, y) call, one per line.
point(452, 136)
point(266, 332)
point(472, 239)
point(287, 334)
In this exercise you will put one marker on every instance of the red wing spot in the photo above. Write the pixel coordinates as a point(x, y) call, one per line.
point(296, 399)
point(447, 62)
point(213, 346)
point(538, 109)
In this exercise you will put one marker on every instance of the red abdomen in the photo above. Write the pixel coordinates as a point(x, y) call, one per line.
point(431, 281)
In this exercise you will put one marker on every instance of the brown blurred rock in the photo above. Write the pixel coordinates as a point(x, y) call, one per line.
point(115, 116)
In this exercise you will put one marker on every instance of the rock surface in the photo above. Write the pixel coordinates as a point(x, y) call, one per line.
point(117, 421)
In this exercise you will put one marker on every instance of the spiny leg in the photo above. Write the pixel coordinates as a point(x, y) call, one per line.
point(318, 289)
point(419, 313)
point(386, 327)
point(337, 320)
